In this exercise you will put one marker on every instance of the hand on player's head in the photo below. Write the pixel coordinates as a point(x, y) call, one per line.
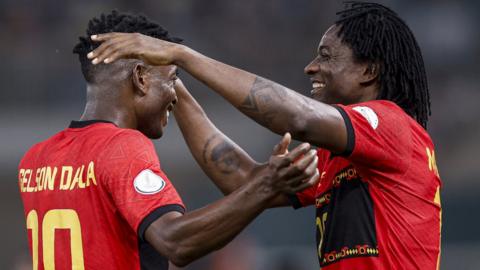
point(132, 45)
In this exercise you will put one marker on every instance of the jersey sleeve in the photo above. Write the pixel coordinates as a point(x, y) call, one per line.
point(139, 188)
point(378, 136)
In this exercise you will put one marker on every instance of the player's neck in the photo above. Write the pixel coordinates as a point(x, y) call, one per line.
point(108, 108)
point(120, 118)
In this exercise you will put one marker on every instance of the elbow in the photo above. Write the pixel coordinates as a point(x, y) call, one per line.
point(182, 254)
point(180, 261)
point(180, 257)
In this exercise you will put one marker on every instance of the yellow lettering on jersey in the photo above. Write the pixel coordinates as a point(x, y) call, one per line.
point(29, 188)
point(66, 177)
point(21, 175)
point(432, 163)
point(49, 178)
point(38, 178)
point(91, 174)
point(78, 179)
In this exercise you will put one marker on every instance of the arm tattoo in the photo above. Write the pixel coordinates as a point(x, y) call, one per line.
point(223, 155)
point(266, 102)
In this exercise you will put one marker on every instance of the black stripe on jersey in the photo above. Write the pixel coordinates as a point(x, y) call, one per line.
point(154, 215)
point(350, 133)
point(82, 124)
point(148, 255)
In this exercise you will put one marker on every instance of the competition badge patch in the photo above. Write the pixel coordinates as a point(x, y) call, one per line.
point(148, 183)
point(369, 115)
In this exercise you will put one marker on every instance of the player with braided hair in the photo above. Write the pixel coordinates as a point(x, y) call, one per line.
point(378, 199)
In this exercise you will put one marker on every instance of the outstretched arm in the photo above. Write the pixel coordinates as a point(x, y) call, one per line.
point(185, 238)
point(268, 103)
point(221, 159)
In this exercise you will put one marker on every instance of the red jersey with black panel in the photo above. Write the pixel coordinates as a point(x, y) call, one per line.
point(378, 204)
point(89, 193)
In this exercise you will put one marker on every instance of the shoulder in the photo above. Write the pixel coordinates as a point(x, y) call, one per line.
point(34, 151)
point(378, 113)
point(128, 146)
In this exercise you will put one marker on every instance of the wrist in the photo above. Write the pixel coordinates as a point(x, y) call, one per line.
point(264, 187)
point(181, 53)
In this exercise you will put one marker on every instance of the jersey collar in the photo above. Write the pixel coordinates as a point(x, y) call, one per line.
point(82, 124)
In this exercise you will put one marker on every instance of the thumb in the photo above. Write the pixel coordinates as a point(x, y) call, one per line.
point(282, 147)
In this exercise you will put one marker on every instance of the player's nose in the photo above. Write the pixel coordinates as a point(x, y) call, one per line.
point(312, 68)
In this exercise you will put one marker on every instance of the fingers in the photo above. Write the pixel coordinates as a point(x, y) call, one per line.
point(102, 37)
point(312, 181)
point(298, 152)
point(112, 47)
point(279, 162)
point(282, 147)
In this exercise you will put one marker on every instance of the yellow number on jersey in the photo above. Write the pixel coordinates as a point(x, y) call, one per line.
point(321, 228)
point(56, 219)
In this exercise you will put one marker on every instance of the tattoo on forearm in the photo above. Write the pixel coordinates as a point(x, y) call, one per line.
point(265, 99)
point(222, 154)
point(258, 103)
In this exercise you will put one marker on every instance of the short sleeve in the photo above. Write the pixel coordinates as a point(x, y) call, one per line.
point(133, 177)
point(378, 135)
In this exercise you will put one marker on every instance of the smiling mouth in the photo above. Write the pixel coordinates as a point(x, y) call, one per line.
point(317, 87)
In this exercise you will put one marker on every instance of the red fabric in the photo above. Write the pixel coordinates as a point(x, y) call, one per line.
point(110, 211)
point(392, 162)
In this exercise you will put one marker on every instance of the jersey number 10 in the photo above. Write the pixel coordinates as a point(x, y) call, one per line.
point(56, 219)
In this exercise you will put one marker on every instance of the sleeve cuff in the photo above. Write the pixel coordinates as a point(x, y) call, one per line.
point(350, 133)
point(294, 201)
point(154, 215)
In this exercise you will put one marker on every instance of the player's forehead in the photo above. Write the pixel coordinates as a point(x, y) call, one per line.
point(330, 39)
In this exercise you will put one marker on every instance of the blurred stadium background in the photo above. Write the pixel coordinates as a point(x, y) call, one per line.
point(42, 90)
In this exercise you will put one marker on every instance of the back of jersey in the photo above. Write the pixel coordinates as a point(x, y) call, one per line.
point(75, 187)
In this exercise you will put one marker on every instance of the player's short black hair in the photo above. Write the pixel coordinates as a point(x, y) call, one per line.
point(115, 22)
point(376, 34)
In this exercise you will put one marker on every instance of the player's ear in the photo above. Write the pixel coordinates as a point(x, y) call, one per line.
point(370, 72)
point(139, 79)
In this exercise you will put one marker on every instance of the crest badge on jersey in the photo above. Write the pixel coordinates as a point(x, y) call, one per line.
point(148, 182)
point(368, 114)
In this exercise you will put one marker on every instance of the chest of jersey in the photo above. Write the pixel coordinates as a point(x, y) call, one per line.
point(344, 214)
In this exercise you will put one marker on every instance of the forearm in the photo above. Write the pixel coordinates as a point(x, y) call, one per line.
point(270, 104)
point(220, 158)
point(207, 229)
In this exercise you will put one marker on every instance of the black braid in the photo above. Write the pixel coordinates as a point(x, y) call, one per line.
point(115, 22)
point(377, 35)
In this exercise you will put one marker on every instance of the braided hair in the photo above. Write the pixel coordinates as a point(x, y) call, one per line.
point(115, 22)
point(377, 35)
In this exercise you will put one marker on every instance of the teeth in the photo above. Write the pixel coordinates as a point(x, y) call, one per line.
point(168, 114)
point(318, 85)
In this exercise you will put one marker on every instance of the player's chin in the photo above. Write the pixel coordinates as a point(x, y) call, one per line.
point(154, 133)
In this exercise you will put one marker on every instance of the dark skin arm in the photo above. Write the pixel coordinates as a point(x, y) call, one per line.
point(220, 158)
point(270, 104)
point(184, 238)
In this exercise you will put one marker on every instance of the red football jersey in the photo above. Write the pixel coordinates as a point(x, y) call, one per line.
point(377, 204)
point(89, 193)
